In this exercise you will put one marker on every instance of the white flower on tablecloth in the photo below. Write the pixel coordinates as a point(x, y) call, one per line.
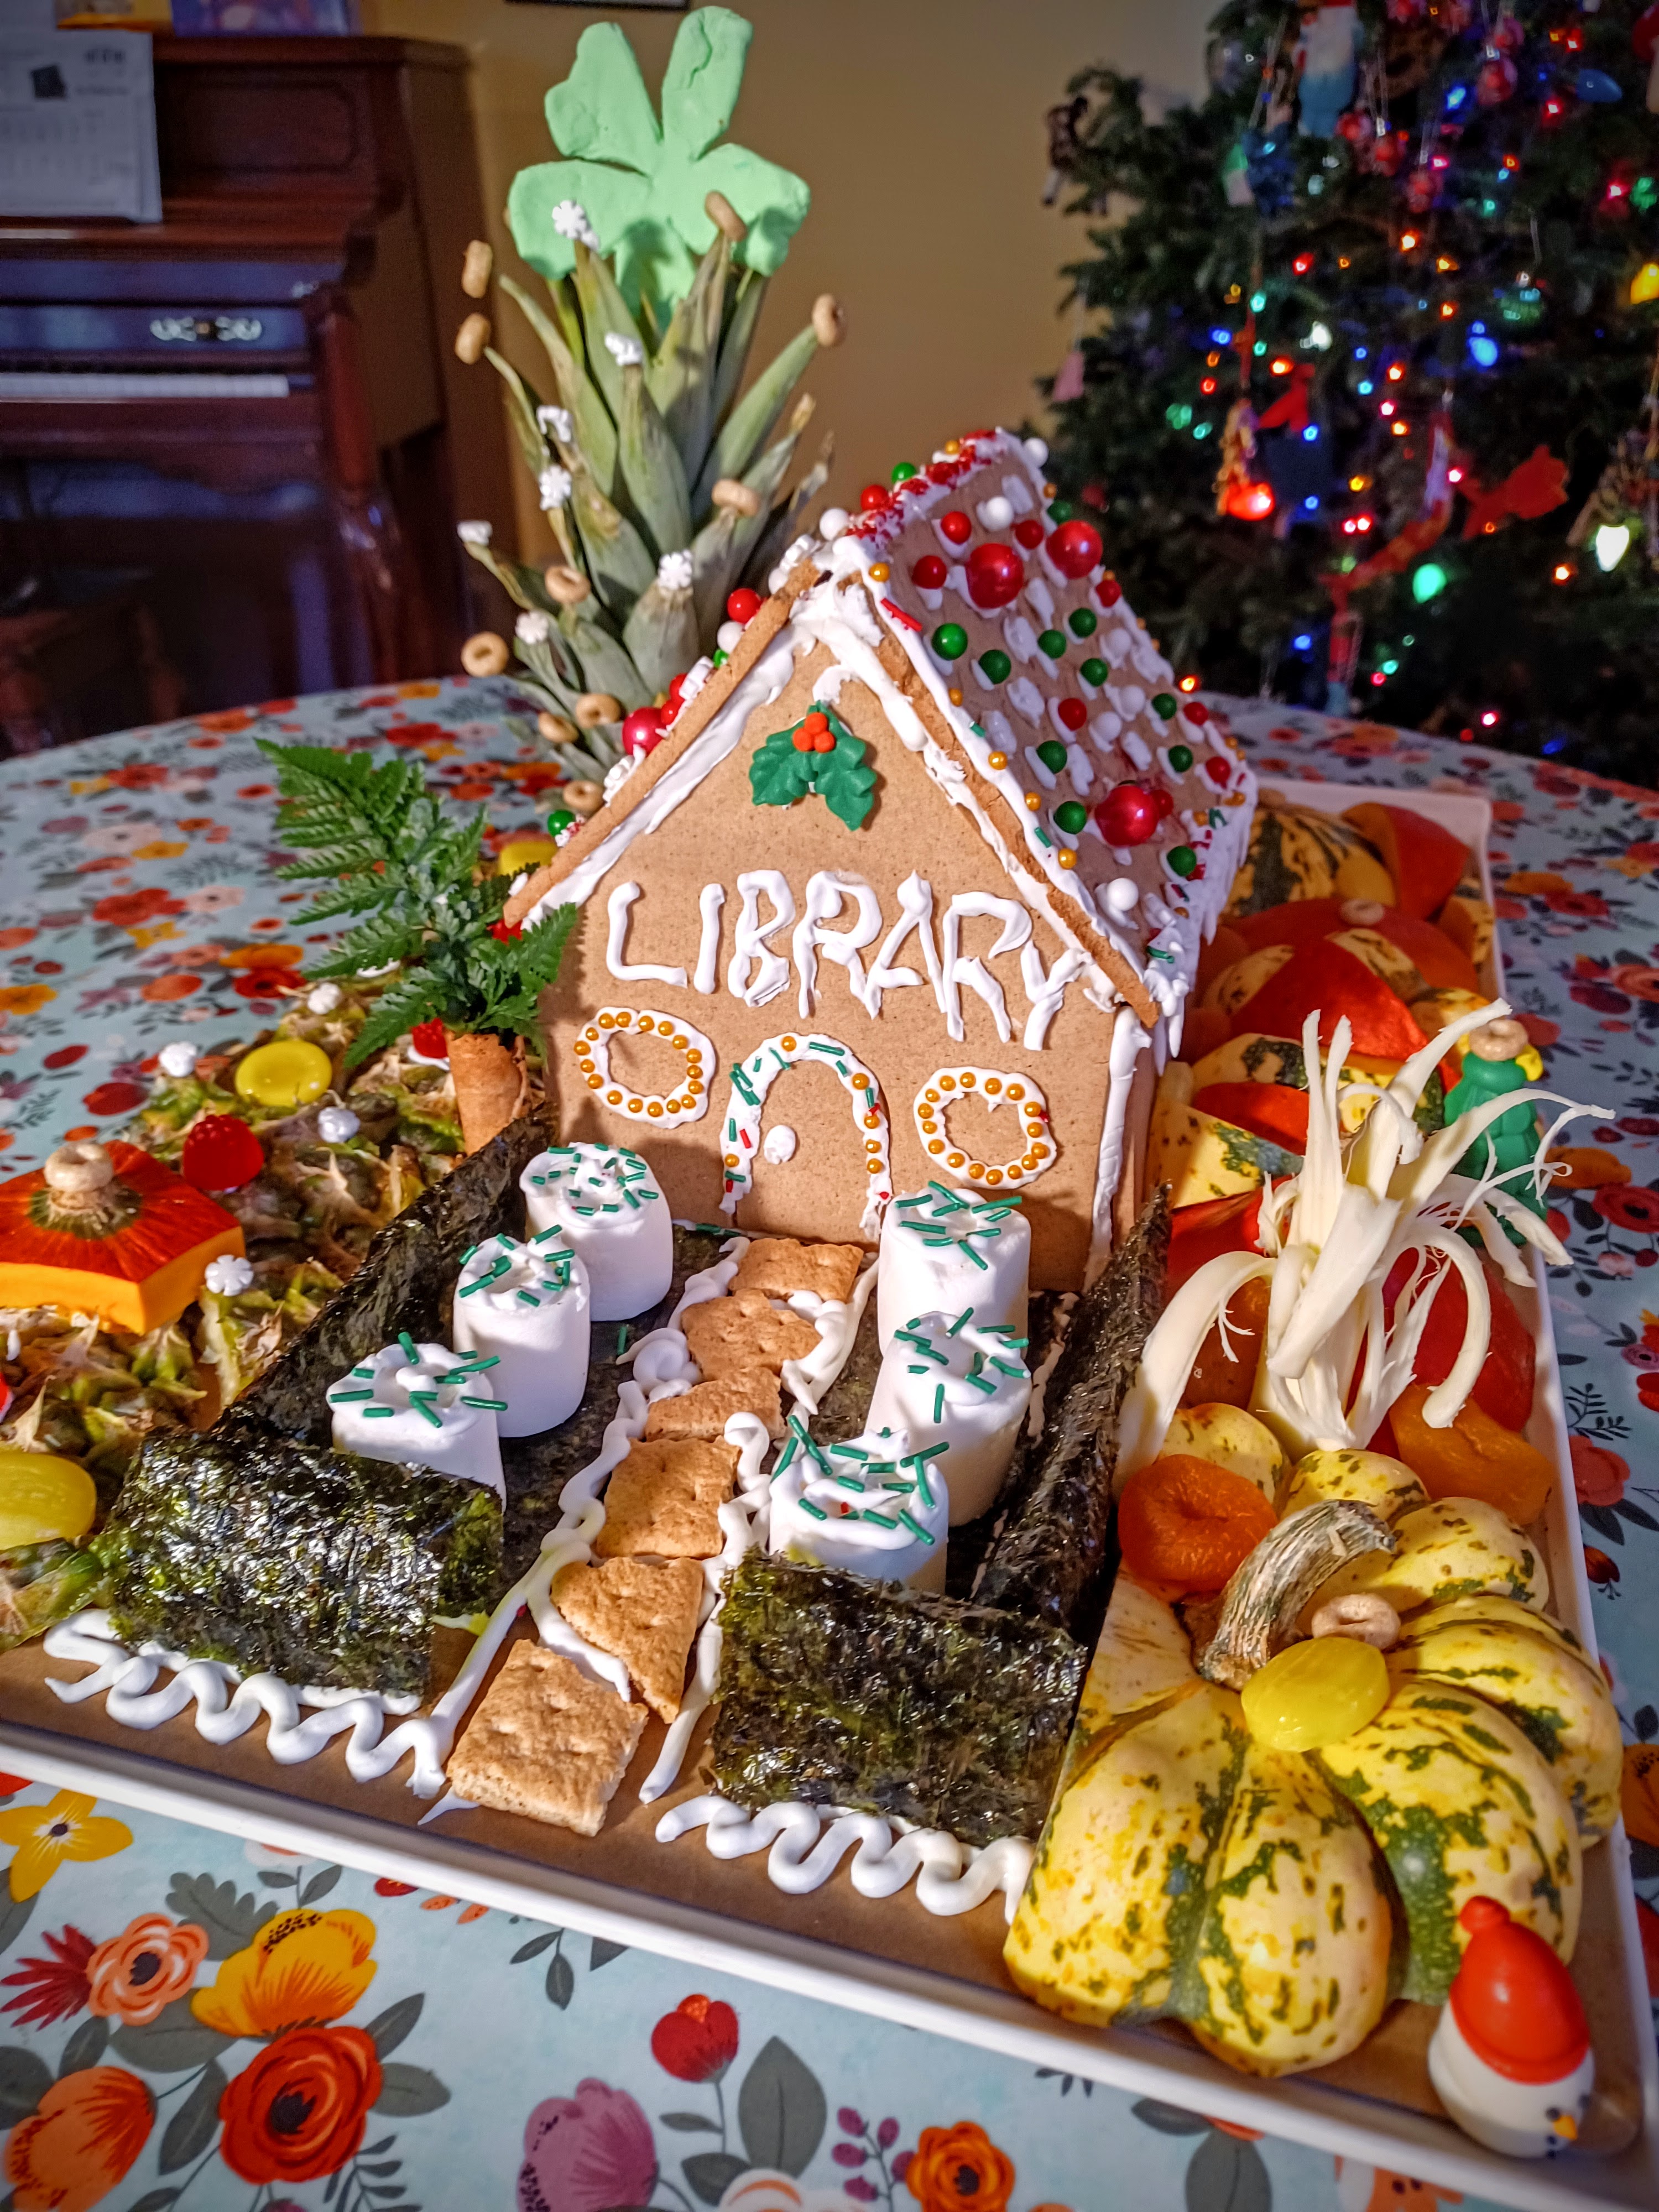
point(554, 486)
point(213, 898)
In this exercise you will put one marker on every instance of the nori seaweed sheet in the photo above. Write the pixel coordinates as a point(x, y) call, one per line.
point(1052, 1559)
point(316, 1565)
point(844, 1691)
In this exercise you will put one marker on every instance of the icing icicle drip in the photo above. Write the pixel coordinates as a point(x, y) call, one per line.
point(947, 1380)
point(751, 1079)
point(689, 1099)
point(602, 1202)
point(424, 1404)
point(874, 1505)
point(942, 1250)
point(526, 1306)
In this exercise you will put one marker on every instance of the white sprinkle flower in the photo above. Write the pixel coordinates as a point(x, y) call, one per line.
point(627, 353)
point(570, 221)
point(475, 533)
point(559, 421)
point(324, 999)
point(533, 627)
point(336, 1125)
point(230, 1276)
point(554, 485)
point(178, 1060)
point(674, 573)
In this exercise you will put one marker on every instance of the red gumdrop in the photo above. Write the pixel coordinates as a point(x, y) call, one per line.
point(1109, 591)
point(1073, 713)
point(875, 496)
point(1075, 548)
point(996, 576)
point(220, 1153)
point(929, 572)
point(1128, 815)
point(642, 729)
point(742, 604)
point(1029, 533)
point(955, 526)
point(431, 1038)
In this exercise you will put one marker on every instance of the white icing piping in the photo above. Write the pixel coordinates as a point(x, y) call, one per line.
point(618, 909)
point(1129, 1040)
point(808, 1381)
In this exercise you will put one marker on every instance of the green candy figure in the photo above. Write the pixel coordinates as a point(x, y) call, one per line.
point(1491, 1069)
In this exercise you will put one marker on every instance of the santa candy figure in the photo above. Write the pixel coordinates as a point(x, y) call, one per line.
point(1510, 2057)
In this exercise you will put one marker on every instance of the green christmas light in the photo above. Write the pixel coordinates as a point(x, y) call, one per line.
point(1178, 416)
point(1429, 579)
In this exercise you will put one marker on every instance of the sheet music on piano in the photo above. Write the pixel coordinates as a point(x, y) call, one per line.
point(78, 124)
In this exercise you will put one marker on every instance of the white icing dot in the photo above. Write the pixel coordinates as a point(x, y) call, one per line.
point(778, 1145)
point(727, 635)
point(996, 513)
point(178, 1059)
point(1038, 449)
point(1123, 895)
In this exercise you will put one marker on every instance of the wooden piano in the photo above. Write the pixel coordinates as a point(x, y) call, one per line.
point(251, 409)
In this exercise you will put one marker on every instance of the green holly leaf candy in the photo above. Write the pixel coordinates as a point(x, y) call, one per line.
point(778, 775)
point(846, 785)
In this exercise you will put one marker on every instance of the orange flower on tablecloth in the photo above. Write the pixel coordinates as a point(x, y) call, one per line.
point(422, 691)
point(229, 718)
point(24, 998)
point(301, 1969)
point(1599, 1474)
point(301, 2109)
point(11, 939)
point(43, 1836)
point(166, 988)
point(1639, 1792)
point(136, 1973)
point(83, 2137)
point(264, 955)
point(959, 2169)
point(128, 909)
point(1636, 982)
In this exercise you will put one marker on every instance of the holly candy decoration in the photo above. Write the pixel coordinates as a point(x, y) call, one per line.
point(819, 755)
point(220, 1153)
point(1128, 815)
point(1075, 548)
point(996, 576)
point(642, 729)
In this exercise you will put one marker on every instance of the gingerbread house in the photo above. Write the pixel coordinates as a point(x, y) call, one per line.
point(912, 885)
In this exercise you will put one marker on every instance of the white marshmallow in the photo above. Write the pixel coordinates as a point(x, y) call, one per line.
point(946, 1379)
point(424, 1403)
point(942, 1250)
point(615, 1218)
point(872, 1506)
point(527, 1304)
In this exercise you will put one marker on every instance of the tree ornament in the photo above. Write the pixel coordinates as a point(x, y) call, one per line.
point(221, 1152)
point(1076, 550)
point(1128, 815)
point(1628, 487)
point(1327, 58)
point(1237, 492)
point(1495, 80)
point(1537, 485)
point(996, 576)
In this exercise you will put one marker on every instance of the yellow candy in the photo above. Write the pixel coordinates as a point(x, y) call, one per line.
point(1315, 1693)
point(524, 852)
point(43, 1496)
point(286, 1072)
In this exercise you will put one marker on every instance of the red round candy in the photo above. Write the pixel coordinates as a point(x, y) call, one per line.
point(929, 574)
point(1109, 591)
point(1073, 713)
point(1216, 769)
point(1075, 548)
point(1029, 533)
point(1163, 805)
point(996, 575)
point(742, 604)
point(1196, 712)
point(955, 526)
point(220, 1153)
point(642, 729)
point(1128, 815)
point(430, 1039)
point(874, 496)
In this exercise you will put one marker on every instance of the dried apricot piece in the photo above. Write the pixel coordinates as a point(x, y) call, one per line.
point(1474, 1458)
point(1185, 1524)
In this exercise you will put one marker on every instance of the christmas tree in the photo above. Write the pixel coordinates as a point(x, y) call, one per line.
point(1369, 395)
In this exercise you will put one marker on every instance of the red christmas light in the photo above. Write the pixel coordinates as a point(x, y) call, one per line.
point(1303, 264)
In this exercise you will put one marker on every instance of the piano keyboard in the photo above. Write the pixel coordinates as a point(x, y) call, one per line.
point(79, 384)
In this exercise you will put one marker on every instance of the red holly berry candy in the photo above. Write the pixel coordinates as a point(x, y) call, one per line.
point(802, 741)
point(1073, 713)
point(1029, 533)
point(996, 575)
point(1128, 815)
point(742, 604)
point(824, 743)
point(955, 526)
point(1109, 591)
point(1075, 548)
point(642, 729)
point(220, 1153)
point(431, 1039)
point(874, 496)
point(929, 572)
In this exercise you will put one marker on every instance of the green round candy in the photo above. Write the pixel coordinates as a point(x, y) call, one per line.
point(1094, 671)
point(1071, 815)
point(1166, 704)
point(1052, 643)
point(559, 821)
point(1183, 860)
point(719, 657)
point(904, 470)
point(1053, 755)
point(1061, 511)
point(1081, 622)
point(1180, 758)
point(996, 665)
point(949, 641)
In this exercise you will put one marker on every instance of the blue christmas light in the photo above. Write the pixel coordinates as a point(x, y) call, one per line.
point(1303, 644)
point(1483, 351)
point(1311, 501)
point(1555, 745)
point(1360, 353)
point(1366, 388)
point(1455, 97)
point(1220, 336)
point(1311, 436)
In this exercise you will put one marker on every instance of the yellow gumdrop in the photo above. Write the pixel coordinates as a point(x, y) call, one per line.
point(524, 852)
point(1315, 1693)
point(43, 1496)
point(286, 1072)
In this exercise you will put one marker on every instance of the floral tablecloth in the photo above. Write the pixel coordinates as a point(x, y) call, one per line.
point(188, 2020)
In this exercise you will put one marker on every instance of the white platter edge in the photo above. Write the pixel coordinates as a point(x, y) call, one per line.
point(1320, 2118)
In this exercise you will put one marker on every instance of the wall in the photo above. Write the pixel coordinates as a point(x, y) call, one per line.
point(919, 125)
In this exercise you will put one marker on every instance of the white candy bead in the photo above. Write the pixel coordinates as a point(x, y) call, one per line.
point(945, 1379)
point(615, 1218)
point(528, 1304)
point(872, 1506)
point(178, 1060)
point(942, 1250)
point(422, 1402)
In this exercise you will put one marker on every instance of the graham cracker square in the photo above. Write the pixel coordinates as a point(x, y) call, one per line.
point(644, 1614)
point(662, 1499)
point(704, 1410)
point(546, 1740)
point(778, 1265)
point(726, 1335)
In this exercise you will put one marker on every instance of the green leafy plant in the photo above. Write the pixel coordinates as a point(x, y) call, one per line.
point(797, 761)
point(662, 480)
point(412, 882)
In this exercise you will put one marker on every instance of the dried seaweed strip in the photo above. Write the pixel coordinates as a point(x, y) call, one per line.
point(316, 1565)
point(1051, 1559)
point(971, 1539)
point(843, 1691)
point(845, 1406)
point(404, 1283)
